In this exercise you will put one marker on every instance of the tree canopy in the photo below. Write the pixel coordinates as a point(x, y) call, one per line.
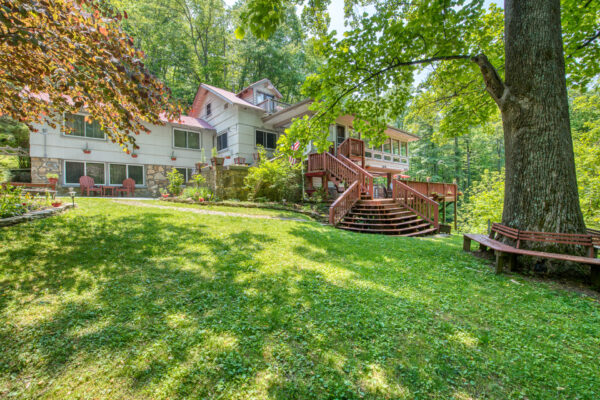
point(61, 56)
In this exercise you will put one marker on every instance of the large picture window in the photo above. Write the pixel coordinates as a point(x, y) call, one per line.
point(79, 127)
point(268, 140)
point(222, 141)
point(76, 169)
point(387, 146)
point(186, 139)
point(119, 172)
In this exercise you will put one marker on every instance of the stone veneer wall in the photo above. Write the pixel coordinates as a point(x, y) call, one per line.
point(226, 182)
point(42, 166)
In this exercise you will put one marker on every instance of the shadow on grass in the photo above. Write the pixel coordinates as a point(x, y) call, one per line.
point(177, 309)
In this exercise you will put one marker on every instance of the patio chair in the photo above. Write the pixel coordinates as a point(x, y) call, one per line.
point(239, 161)
point(86, 184)
point(127, 188)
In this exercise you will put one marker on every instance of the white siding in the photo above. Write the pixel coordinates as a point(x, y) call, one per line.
point(155, 148)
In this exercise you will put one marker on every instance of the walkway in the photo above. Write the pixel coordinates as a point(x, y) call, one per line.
point(209, 212)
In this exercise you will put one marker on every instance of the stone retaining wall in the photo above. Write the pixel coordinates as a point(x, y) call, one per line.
point(34, 215)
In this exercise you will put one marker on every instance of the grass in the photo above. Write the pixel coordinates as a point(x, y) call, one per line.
point(236, 210)
point(114, 301)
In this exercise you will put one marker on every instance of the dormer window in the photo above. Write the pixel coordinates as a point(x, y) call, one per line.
point(260, 97)
point(208, 109)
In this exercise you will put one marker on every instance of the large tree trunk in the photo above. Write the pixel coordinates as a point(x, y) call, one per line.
point(541, 185)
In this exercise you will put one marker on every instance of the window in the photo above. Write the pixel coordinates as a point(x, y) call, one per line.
point(186, 139)
point(79, 127)
point(260, 97)
point(268, 140)
point(395, 147)
point(187, 173)
point(222, 141)
point(208, 109)
point(387, 146)
point(340, 134)
point(76, 169)
point(404, 149)
point(119, 172)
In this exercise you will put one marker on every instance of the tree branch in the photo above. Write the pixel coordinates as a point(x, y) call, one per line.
point(394, 65)
point(493, 82)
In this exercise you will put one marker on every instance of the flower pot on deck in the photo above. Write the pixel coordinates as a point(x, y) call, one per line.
point(200, 165)
point(53, 181)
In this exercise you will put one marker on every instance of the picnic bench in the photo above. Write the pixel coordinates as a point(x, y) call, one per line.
point(35, 188)
point(507, 254)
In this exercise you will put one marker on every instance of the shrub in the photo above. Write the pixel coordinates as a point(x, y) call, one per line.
point(12, 203)
point(175, 182)
point(274, 180)
point(486, 200)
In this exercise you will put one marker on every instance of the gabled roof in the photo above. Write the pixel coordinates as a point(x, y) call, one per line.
point(264, 80)
point(187, 121)
point(227, 96)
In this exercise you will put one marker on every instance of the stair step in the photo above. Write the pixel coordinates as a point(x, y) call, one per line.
point(376, 202)
point(391, 226)
point(368, 211)
point(410, 230)
point(424, 232)
point(365, 214)
point(375, 220)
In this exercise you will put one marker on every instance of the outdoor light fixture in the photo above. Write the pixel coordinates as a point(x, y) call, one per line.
point(72, 194)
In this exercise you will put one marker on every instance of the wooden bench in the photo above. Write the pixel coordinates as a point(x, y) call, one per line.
point(506, 254)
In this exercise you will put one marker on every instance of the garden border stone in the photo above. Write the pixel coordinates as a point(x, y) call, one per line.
point(45, 213)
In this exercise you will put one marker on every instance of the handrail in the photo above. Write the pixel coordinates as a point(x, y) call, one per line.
point(413, 200)
point(366, 179)
point(344, 203)
point(339, 169)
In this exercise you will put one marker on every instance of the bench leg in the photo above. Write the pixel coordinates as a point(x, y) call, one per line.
point(595, 276)
point(501, 259)
point(466, 244)
point(512, 262)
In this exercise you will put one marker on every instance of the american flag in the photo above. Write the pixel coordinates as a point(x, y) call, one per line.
point(295, 147)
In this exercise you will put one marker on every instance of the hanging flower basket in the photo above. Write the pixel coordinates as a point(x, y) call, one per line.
point(134, 155)
point(87, 151)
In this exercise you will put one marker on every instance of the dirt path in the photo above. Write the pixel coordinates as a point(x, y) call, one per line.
point(210, 212)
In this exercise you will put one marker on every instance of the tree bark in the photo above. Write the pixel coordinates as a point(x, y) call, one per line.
point(541, 185)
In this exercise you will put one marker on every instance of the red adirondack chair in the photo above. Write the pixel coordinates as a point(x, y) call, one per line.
point(86, 184)
point(127, 188)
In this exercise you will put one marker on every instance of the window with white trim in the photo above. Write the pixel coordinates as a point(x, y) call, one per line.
point(78, 126)
point(76, 169)
point(117, 173)
point(186, 139)
point(208, 109)
point(221, 141)
point(268, 140)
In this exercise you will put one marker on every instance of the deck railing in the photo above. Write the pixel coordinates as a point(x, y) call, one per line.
point(430, 189)
point(365, 178)
point(352, 147)
point(344, 203)
point(421, 205)
point(327, 162)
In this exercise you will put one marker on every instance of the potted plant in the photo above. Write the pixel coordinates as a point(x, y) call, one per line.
point(216, 160)
point(173, 158)
point(163, 193)
point(202, 163)
point(134, 155)
point(87, 150)
point(52, 179)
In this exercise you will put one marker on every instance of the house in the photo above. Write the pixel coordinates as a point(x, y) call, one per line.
point(233, 123)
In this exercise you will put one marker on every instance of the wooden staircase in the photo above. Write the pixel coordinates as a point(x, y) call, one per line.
point(387, 217)
point(407, 213)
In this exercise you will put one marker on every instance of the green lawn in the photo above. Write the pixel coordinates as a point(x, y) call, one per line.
point(114, 301)
point(236, 210)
